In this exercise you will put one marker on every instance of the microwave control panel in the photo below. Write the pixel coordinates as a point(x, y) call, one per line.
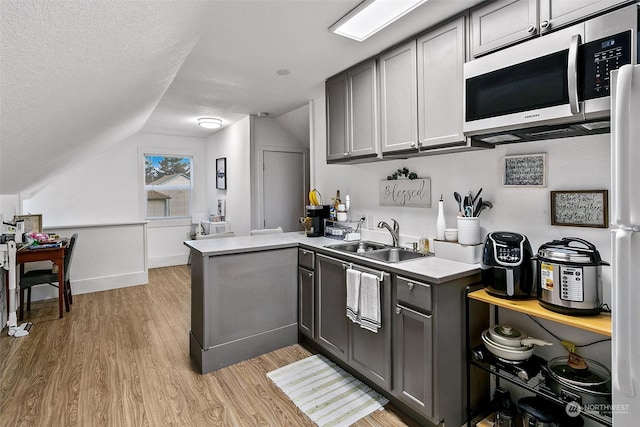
point(600, 57)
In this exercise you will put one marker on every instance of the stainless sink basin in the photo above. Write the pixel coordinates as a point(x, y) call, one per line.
point(355, 247)
point(392, 255)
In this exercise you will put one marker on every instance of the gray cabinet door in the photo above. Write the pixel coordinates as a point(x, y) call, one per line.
point(413, 360)
point(336, 104)
point(500, 23)
point(306, 301)
point(331, 314)
point(362, 122)
point(370, 352)
point(558, 13)
point(441, 57)
point(398, 98)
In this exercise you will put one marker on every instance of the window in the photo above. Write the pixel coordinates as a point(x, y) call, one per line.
point(167, 186)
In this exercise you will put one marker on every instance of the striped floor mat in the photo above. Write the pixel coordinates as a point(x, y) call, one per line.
point(325, 392)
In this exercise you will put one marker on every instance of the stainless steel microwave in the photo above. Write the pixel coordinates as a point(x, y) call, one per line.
point(556, 85)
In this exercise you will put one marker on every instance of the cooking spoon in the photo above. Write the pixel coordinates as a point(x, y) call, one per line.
point(458, 198)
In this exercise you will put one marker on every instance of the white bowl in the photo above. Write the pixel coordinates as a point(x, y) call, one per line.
point(451, 234)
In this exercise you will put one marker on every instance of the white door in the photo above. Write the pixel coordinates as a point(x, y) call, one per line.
point(284, 189)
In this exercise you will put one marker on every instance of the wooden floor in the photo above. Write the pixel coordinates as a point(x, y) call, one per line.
point(121, 358)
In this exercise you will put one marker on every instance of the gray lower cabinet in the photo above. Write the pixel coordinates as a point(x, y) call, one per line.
point(306, 290)
point(367, 352)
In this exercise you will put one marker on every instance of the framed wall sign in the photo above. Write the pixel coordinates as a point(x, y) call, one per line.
point(525, 170)
point(406, 192)
point(32, 223)
point(221, 173)
point(585, 208)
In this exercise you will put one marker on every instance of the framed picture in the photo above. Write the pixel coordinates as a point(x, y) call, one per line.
point(525, 170)
point(584, 208)
point(32, 223)
point(221, 173)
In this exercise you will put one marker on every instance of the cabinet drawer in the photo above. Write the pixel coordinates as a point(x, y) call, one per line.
point(414, 293)
point(306, 258)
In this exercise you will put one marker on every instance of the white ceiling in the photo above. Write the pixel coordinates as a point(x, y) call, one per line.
point(80, 76)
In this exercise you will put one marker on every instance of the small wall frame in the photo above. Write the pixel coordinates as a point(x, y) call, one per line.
point(32, 223)
point(582, 208)
point(524, 170)
point(221, 173)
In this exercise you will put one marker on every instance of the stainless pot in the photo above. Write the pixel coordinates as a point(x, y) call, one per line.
point(510, 343)
point(589, 385)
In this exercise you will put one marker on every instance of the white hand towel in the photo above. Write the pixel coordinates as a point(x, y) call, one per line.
point(353, 294)
point(370, 302)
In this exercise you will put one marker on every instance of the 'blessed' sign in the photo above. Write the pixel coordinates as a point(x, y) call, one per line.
point(406, 192)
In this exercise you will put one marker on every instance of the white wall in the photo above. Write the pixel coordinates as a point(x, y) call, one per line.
point(234, 143)
point(107, 189)
point(573, 164)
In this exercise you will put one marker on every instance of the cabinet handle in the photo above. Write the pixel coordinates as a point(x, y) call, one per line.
point(545, 24)
point(413, 144)
point(398, 310)
point(410, 285)
point(531, 29)
point(310, 274)
point(419, 143)
point(346, 155)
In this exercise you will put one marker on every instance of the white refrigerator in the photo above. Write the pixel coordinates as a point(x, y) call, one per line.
point(625, 244)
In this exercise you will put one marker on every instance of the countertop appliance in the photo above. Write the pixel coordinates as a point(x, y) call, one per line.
point(554, 86)
point(625, 244)
point(569, 276)
point(317, 214)
point(507, 270)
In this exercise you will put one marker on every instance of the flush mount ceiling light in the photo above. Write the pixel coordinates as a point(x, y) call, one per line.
point(210, 122)
point(371, 16)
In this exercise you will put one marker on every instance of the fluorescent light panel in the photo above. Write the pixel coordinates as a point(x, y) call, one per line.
point(371, 16)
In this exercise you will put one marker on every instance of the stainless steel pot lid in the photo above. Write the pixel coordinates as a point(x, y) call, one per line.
point(565, 250)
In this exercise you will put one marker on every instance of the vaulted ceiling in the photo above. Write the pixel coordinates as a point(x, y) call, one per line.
point(79, 76)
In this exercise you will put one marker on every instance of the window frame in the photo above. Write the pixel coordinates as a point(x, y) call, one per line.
point(146, 187)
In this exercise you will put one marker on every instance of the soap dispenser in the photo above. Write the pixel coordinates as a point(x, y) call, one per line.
point(441, 223)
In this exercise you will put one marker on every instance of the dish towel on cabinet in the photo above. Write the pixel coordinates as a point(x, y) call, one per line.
point(353, 294)
point(369, 305)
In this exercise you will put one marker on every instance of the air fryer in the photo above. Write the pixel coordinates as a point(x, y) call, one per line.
point(507, 270)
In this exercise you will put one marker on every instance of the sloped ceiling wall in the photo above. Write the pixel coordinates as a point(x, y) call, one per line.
point(79, 75)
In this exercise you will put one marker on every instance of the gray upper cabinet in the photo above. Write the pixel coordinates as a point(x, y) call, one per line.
point(399, 98)
point(505, 22)
point(441, 57)
point(558, 13)
point(352, 114)
point(502, 23)
point(336, 99)
point(421, 91)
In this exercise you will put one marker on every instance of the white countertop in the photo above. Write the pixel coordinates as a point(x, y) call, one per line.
point(437, 270)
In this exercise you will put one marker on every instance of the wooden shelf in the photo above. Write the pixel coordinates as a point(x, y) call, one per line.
point(600, 324)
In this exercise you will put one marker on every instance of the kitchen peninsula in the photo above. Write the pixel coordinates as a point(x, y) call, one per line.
point(246, 300)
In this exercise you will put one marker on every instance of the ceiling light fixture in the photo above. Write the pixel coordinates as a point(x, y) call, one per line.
point(371, 16)
point(210, 122)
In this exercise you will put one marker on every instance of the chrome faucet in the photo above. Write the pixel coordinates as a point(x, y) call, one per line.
point(395, 231)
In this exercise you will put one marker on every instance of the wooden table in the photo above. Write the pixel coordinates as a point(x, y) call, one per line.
point(55, 255)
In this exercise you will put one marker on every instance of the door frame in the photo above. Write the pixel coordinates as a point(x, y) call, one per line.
point(259, 223)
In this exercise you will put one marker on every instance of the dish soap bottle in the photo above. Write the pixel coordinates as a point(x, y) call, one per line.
point(441, 223)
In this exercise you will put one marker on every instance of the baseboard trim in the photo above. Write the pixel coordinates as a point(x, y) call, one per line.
point(96, 284)
point(168, 261)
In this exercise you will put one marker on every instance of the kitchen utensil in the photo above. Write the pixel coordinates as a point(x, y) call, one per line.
point(570, 276)
point(473, 201)
point(458, 198)
point(507, 270)
point(536, 412)
point(512, 337)
point(505, 352)
point(585, 386)
point(478, 207)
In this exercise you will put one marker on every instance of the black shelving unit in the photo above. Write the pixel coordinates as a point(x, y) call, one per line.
point(535, 385)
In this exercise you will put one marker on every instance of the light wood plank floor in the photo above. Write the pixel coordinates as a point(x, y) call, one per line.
point(121, 358)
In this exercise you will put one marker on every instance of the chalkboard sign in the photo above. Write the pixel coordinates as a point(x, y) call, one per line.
point(406, 192)
point(588, 208)
point(527, 170)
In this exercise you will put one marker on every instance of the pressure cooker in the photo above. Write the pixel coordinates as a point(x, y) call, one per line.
point(569, 276)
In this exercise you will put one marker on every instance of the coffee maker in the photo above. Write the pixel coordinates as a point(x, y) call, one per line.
point(317, 214)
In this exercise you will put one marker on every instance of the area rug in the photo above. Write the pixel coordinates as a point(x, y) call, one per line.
point(325, 392)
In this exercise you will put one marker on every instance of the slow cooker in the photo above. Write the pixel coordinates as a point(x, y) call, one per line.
point(569, 276)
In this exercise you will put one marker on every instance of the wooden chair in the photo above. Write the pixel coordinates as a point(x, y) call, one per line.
point(48, 277)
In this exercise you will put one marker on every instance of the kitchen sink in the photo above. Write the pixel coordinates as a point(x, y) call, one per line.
point(392, 255)
point(355, 247)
